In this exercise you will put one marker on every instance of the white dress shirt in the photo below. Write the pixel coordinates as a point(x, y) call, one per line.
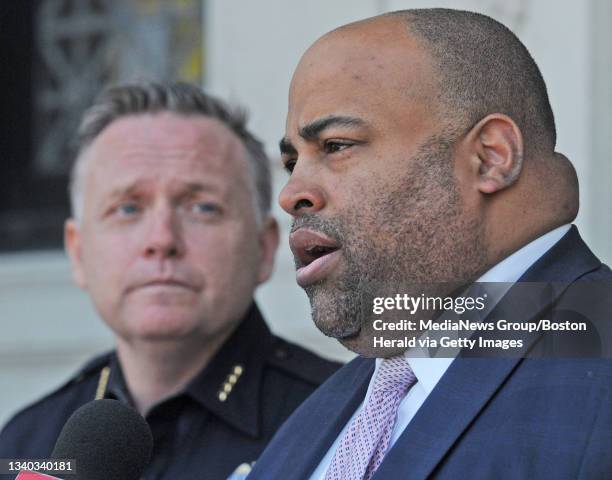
point(429, 370)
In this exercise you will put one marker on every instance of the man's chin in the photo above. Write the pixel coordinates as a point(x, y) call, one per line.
point(352, 339)
point(158, 325)
point(160, 336)
point(355, 344)
point(335, 330)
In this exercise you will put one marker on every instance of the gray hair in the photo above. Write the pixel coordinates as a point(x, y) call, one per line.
point(181, 98)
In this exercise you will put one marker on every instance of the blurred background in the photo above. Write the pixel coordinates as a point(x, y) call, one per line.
point(58, 54)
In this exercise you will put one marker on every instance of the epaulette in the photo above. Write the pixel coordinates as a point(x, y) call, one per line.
point(299, 362)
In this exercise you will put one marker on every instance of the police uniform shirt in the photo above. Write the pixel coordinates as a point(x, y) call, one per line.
point(223, 418)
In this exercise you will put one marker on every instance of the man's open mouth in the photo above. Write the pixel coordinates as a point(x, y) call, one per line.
point(315, 255)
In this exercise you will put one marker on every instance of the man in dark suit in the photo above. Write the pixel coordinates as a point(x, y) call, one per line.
point(420, 146)
point(171, 233)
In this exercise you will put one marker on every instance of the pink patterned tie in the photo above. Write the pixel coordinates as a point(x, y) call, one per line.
point(366, 441)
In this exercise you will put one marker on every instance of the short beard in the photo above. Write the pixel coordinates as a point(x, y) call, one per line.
point(413, 239)
point(339, 307)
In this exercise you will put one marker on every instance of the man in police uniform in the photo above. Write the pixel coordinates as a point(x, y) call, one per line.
point(170, 236)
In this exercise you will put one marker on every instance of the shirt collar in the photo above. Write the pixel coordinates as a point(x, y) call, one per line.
point(511, 268)
point(428, 371)
point(229, 386)
point(499, 279)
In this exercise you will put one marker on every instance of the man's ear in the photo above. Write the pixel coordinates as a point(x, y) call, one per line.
point(72, 244)
point(497, 144)
point(268, 243)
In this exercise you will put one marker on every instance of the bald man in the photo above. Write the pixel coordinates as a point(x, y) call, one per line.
point(421, 151)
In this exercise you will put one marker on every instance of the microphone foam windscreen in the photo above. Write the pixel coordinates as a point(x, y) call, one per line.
point(108, 440)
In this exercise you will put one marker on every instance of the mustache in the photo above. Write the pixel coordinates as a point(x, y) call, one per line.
point(316, 223)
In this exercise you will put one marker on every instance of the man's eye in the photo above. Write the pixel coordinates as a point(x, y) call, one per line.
point(128, 209)
point(205, 208)
point(333, 146)
point(290, 165)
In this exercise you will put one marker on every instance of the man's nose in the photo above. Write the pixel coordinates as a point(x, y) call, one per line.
point(302, 195)
point(164, 238)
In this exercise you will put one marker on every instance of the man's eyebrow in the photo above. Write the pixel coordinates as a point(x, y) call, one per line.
point(138, 189)
point(312, 130)
point(197, 187)
point(194, 189)
point(286, 147)
point(128, 190)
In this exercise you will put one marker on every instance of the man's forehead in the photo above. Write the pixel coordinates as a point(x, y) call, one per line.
point(163, 174)
point(166, 146)
point(361, 68)
point(166, 138)
point(166, 128)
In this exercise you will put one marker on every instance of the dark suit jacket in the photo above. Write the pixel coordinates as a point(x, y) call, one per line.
point(502, 418)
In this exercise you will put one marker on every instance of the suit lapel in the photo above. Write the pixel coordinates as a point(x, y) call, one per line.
point(469, 383)
point(320, 421)
point(461, 393)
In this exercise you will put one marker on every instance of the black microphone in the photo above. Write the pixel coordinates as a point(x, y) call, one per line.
point(108, 440)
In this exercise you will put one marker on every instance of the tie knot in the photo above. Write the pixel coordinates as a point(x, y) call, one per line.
point(394, 374)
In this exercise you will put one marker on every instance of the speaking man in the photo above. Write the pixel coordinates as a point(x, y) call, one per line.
point(420, 146)
point(171, 233)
